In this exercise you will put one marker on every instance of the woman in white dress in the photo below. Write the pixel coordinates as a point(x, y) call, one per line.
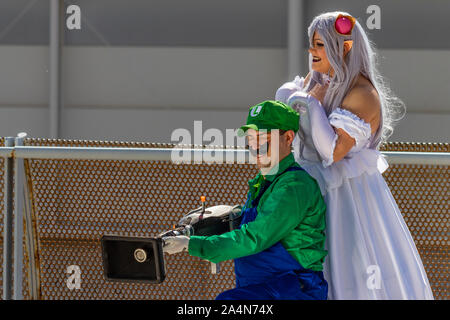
point(346, 111)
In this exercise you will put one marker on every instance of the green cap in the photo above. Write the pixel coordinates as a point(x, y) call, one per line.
point(271, 114)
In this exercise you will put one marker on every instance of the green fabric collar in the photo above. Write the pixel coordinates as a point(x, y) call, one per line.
point(285, 163)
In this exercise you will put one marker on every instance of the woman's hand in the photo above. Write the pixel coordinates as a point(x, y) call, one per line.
point(319, 91)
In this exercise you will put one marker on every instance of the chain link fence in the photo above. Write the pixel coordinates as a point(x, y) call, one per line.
point(73, 203)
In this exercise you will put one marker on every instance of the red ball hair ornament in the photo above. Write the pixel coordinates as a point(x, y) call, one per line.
point(344, 24)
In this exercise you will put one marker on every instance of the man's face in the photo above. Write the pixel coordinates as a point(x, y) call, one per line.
point(269, 147)
point(260, 141)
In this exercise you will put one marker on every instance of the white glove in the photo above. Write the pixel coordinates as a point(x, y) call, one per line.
point(323, 135)
point(175, 244)
point(287, 89)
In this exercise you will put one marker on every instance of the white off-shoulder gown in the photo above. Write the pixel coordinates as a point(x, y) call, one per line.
point(371, 254)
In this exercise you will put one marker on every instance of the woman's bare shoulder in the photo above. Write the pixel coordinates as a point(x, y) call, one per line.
point(364, 101)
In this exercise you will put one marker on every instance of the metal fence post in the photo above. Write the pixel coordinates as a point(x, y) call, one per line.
point(19, 176)
point(31, 244)
point(7, 223)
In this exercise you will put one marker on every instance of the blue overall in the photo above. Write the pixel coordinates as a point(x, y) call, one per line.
point(273, 273)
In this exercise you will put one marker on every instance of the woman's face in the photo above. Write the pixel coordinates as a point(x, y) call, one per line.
point(320, 61)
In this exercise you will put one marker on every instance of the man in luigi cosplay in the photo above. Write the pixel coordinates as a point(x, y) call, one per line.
point(278, 250)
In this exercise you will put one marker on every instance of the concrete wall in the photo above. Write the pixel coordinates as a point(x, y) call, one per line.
point(123, 80)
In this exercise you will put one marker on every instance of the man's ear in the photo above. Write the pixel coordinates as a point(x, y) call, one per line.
point(290, 135)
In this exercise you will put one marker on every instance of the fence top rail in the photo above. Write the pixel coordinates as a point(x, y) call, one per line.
point(208, 155)
point(113, 153)
point(424, 158)
point(6, 152)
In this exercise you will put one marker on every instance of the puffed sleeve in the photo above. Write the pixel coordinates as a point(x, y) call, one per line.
point(353, 125)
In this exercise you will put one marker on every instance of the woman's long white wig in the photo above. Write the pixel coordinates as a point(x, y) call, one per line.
point(360, 59)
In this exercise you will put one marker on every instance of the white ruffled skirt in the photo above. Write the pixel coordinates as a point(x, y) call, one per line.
point(371, 254)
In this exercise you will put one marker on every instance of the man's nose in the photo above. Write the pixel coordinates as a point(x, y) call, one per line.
point(253, 145)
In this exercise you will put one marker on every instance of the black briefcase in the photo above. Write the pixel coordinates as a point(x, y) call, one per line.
point(133, 259)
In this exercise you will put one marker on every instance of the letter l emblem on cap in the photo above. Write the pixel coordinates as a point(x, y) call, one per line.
point(255, 111)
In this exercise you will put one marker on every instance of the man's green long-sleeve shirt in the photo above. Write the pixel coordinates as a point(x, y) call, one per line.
point(291, 210)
